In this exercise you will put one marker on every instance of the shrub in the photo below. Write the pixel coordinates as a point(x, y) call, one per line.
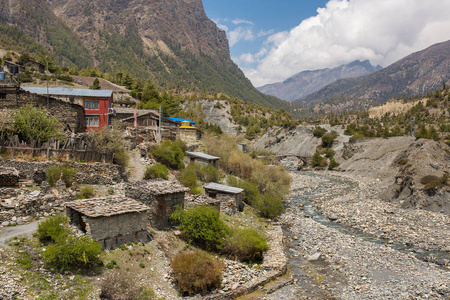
point(169, 153)
point(246, 244)
point(269, 207)
point(319, 131)
point(86, 192)
point(196, 272)
point(333, 164)
point(318, 160)
point(73, 253)
point(432, 183)
point(34, 123)
point(210, 174)
point(55, 172)
point(328, 139)
point(157, 171)
point(121, 158)
point(202, 227)
point(53, 229)
point(122, 286)
point(251, 192)
point(189, 175)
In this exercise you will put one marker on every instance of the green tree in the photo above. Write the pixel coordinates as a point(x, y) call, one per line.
point(95, 85)
point(33, 123)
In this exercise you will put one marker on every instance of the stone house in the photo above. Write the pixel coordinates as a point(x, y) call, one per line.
point(202, 159)
point(112, 220)
point(229, 196)
point(70, 115)
point(161, 196)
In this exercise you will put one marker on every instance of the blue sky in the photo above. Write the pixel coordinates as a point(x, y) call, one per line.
point(273, 40)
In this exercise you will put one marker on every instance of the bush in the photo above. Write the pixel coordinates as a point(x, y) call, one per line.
point(246, 245)
point(202, 227)
point(53, 229)
point(210, 174)
point(318, 160)
point(196, 272)
point(55, 172)
point(121, 158)
point(432, 183)
point(319, 131)
point(86, 192)
point(34, 124)
point(269, 207)
point(189, 175)
point(251, 192)
point(169, 153)
point(333, 164)
point(122, 286)
point(328, 139)
point(157, 171)
point(73, 253)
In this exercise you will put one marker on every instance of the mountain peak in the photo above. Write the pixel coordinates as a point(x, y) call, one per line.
point(307, 82)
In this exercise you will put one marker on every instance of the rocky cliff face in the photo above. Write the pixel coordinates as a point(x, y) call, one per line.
point(308, 82)
point(180, 23)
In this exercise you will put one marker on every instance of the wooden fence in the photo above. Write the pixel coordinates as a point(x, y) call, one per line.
point(72, 149)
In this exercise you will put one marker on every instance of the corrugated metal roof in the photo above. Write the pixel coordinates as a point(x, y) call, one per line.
point(202, 155)
point(180, 120)
point(223, 188)
point(68, 92)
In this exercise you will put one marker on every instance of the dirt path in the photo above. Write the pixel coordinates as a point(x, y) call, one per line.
point(10, 232)
point(137, 167)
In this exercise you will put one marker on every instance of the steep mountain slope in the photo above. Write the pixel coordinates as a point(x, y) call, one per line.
point(172, 42)
point(33, 20)
point(308, 82)
point(417, 73)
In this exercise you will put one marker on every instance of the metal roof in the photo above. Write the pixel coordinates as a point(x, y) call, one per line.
point(180, 120)
point(223, 188)
point(68, 92)
point(202, 155)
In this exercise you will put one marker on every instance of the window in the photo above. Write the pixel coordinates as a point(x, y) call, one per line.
point(91, 121)
point(90, 104)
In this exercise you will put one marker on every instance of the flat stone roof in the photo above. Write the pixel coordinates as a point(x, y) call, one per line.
point(202, 155)
point(68, 92)
point(223, 188)
point(160, 186)
point(107, 206)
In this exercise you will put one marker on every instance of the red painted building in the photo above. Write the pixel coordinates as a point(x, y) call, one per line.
point(96, 103)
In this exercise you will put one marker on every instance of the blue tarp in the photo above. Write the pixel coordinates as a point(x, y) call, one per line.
point(180, 120)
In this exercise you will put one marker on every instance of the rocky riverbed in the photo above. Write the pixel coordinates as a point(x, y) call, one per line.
point(341, 265)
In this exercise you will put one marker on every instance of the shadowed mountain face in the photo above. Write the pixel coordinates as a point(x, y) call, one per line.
point(308, 82)
point(418, 73)
point(169, 41)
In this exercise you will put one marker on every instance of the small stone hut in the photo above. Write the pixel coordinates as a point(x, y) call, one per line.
point(161, 196)
point(228, 195)
point(112, 220)
point(202, 158)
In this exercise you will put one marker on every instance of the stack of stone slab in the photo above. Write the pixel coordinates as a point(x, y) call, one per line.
point(9, 176)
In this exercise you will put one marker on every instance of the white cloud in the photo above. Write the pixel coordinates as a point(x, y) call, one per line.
point(382, 31)
point(240, 33)
point(240, 21)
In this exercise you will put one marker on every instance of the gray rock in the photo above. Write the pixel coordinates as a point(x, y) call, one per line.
point(333, 217)
point(6, 223)
point(315, 256)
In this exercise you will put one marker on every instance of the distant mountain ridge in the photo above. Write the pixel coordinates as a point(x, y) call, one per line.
point(416, 74)
point(172, 42)
point(308, 82)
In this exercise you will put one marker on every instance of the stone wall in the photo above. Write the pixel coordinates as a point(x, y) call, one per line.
point(87, 173)
point(66, 113)
point(18, 206)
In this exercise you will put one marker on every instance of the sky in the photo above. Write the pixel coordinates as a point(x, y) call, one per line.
point(273, 40)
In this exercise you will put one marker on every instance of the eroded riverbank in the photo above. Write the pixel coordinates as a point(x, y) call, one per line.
point(351, 267)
